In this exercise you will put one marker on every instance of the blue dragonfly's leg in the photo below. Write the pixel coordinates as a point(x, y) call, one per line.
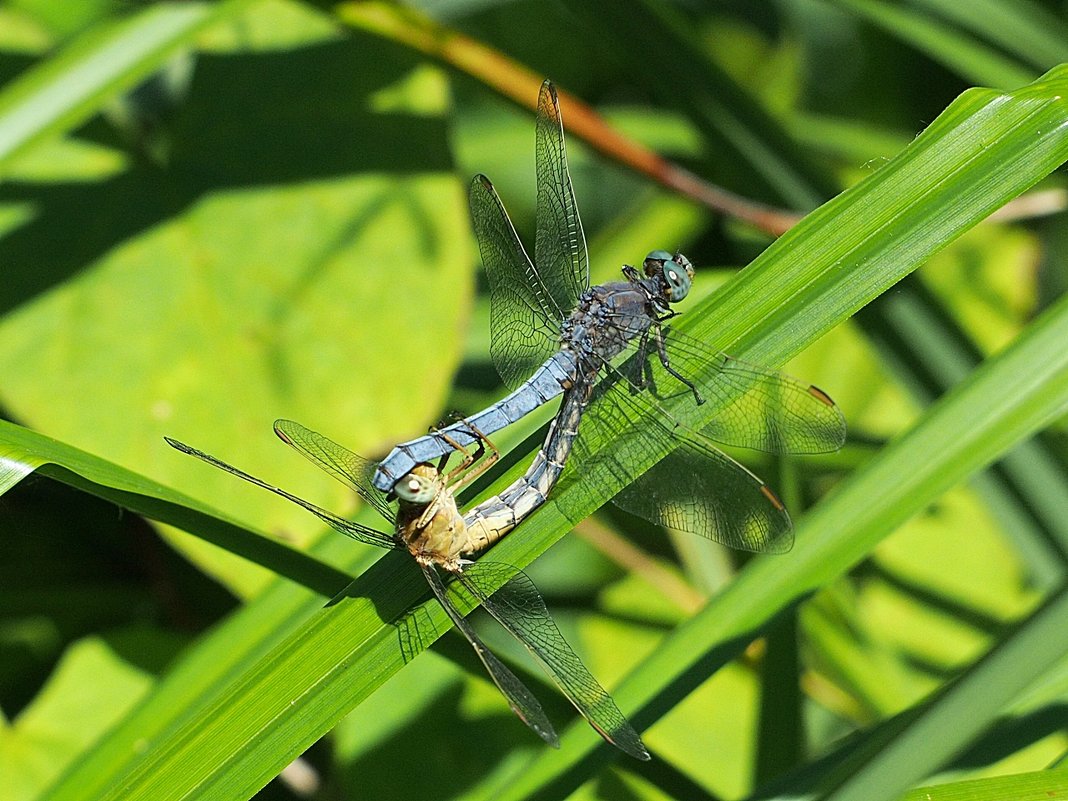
point(664, 360)
point(645, 377)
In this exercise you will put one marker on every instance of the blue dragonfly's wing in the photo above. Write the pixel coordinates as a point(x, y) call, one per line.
point(693, 487)
point(360, 533)
point(518, 606)
point(347, 467)
point(529, 300)
point(696, 487)
point(759, 408)
point(560, 244)
point(520, 699)
point(524, 320)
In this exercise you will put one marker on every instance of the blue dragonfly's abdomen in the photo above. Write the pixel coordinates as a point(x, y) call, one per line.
point(607, 318)
point(547, 382)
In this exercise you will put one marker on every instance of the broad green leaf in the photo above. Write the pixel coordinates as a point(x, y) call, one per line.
point(91, 688)
point(256, 275)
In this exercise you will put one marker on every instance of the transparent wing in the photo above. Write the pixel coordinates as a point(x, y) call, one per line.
point(762, 409)
point(519, 607)
point(559, 246)
point(694, 487)
point(360, 533)
point(347, 467)
point(524, 319)
point(520, 699)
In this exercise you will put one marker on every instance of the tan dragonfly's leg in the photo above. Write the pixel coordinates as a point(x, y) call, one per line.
point(428, 513)
point(468, 458)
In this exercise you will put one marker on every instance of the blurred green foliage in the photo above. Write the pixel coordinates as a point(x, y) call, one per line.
point(213, 215)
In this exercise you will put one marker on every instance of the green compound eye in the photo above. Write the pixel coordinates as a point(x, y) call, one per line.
point(678, 280)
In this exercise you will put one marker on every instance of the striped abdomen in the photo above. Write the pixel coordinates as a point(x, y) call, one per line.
point(496, 516)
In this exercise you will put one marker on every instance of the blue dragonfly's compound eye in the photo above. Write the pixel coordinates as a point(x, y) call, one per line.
point(415, 489)
point(658, 255)
point(678, 280)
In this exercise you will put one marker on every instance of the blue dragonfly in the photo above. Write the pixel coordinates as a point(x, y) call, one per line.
point(551, 332)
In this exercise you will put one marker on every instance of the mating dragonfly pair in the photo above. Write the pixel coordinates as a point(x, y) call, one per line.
point(607, 350)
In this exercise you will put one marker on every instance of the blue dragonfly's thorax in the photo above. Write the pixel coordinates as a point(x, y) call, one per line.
point(606, 319)
point(611, 315)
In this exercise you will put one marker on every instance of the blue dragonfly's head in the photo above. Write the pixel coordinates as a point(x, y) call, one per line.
point(674, 273)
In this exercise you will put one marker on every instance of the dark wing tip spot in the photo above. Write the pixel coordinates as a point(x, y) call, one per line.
point(820, 395)
point(771, 496)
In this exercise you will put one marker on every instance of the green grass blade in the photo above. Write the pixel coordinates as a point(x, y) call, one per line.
point(781, 739)
point(971, 59)
point(887, 767)
point(66, 90)
point(23, 451)
point(1042, 785)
